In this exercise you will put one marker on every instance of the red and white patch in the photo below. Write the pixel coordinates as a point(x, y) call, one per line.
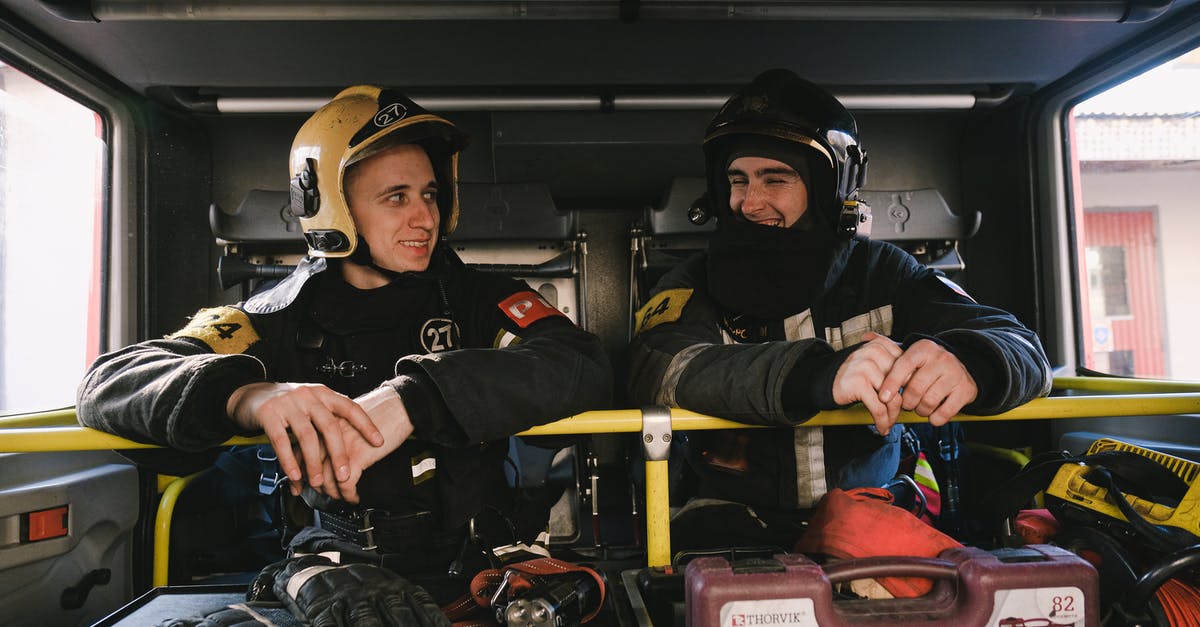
point(526, 308)
point(954, 286)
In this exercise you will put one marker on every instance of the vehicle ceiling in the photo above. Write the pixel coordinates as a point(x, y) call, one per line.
point(509, 55)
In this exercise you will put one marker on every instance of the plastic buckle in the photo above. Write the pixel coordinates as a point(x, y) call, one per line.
point(268, 482)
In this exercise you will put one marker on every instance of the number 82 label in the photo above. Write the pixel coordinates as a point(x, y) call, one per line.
point(1038, 607)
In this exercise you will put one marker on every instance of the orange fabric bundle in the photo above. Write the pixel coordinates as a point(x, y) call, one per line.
point(863, 523)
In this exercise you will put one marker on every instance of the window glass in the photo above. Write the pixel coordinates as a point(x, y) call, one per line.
point(1108, 290)
point(51, 166)
point(1137, 152)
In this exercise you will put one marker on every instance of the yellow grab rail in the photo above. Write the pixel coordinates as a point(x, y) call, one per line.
point(67, 437)
point(162, 527)
point(54, 431)
point(1120, 384)
point(52, 418)
point(76, 438)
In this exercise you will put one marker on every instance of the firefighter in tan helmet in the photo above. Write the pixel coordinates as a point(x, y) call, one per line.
point(386, 374)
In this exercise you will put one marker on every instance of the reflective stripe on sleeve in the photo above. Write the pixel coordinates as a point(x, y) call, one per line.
point(670, 379)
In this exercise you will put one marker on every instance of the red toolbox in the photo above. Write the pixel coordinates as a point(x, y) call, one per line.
point(1033, 586)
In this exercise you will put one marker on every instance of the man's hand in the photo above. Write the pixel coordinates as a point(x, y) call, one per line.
point(935, 383)
point(315, 415)
point(386, 410)
point(863, 373)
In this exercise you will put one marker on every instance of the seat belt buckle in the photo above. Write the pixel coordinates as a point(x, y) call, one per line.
point(269, 479)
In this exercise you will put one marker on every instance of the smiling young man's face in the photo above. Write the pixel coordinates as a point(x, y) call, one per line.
point(393, 201)
point(766, 191)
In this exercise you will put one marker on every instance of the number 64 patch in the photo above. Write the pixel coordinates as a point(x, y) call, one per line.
point(666, 306)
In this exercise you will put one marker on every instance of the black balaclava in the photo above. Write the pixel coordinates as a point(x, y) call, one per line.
point(770, 272)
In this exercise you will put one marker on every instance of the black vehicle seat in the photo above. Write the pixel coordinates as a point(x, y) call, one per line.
point(664, 237)
point(919, 221)
point(261, 240)
point(516, 230)
point(511, 229)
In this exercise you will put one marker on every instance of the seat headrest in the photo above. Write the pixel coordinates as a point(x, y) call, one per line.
point(510, 211)
point(263, 217)
point(671, 216)
point(917, 214)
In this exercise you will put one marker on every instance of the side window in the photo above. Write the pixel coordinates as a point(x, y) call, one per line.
point(1137, 219)
point(52, 168)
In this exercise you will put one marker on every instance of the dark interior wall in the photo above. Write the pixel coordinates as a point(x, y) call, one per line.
point(978, 160)
point(619, 160)
point(914, 151)
point(611, 166)
point(249, 153)
point(996, 181)
point(175, 248)
point(598, 161)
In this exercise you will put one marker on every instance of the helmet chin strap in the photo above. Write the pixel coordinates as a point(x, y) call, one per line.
point(362, 256)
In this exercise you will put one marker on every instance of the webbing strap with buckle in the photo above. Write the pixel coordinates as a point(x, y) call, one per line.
point(496, 587)
point(356, 527)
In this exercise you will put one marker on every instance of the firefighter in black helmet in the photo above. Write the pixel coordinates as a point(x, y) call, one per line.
point(398, 372)
point(792, 310)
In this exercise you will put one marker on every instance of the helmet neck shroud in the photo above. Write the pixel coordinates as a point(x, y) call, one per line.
point(766, 271)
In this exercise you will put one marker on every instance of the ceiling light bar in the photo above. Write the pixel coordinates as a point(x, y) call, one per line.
point(859, 102)
point(888, 10)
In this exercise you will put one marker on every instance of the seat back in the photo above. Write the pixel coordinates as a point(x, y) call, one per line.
point(261, 238)
point(512, 229)
point(515, 229)
point(664, 237)
point(920, 221)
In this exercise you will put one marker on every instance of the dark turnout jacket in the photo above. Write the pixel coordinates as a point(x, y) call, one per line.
point(691, 352)
point(475, 357)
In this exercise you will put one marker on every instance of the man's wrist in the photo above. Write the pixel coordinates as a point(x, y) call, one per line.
point(386, 409)
point(237, 410)
point(809, 386)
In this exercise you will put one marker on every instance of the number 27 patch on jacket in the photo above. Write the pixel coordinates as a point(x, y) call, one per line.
point(226, 330)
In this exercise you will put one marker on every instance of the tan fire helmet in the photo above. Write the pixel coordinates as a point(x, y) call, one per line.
point(359, 122)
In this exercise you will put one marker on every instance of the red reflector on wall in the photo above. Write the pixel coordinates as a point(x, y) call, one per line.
point(44, 524)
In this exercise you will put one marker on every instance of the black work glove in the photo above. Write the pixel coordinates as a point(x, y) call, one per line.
point(227, 616)
point(324, 594)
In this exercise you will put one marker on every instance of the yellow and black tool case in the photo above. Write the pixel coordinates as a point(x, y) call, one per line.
point(1143, 496)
